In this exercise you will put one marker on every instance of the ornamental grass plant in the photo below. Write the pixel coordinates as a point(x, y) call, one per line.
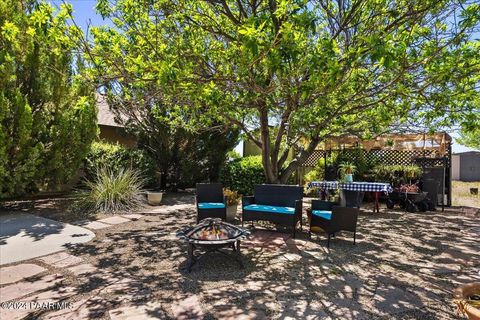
point(112, 191)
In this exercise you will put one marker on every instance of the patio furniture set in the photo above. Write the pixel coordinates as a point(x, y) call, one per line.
point(280, 204)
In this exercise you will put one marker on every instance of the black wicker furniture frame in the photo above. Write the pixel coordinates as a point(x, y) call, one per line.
point(213, 235)
point(331, 218)
point(210, 201)
point(281, 204)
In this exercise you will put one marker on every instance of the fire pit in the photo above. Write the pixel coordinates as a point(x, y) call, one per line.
point(211, 235)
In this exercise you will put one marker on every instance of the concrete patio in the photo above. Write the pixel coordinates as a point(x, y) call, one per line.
point(26, 236)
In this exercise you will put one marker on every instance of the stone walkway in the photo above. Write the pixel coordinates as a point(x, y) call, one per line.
point(56, 281)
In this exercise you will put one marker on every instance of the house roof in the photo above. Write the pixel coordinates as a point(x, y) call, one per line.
point(467, 152)
point(105, 116)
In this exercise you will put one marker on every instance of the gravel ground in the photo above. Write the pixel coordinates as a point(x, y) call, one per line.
point(404, 266)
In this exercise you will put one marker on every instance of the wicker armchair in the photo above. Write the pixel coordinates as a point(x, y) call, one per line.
point(210, 201)
point(330, 218)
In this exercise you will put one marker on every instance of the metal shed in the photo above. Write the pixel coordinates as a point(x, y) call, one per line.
point(466, 166)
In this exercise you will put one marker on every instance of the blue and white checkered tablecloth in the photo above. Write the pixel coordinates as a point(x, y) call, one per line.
point(352, 186)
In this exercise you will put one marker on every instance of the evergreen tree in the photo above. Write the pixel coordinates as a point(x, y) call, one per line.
point(47, 116)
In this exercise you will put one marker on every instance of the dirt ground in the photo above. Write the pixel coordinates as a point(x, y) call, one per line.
point(461, 195)
point(404, 266)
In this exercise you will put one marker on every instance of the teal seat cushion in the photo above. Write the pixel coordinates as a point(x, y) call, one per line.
point(211, 205)
point(272, 209)
point(327, 215)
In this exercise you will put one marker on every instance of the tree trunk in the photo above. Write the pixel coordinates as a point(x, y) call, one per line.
point(296, 163)
point(265, 139)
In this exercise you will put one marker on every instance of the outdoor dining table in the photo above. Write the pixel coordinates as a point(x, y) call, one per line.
point(375, 187)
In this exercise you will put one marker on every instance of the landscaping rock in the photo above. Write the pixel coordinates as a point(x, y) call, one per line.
point(133, 216)
point(391, 300)
point(83, 269)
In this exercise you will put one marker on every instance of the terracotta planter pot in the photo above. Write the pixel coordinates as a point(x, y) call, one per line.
point(231, 212)
point(461, 295)
point(154, 198)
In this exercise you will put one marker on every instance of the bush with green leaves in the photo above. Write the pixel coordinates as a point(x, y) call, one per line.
point(47, 115)
point(396, 174)
point(116, 157)
point(243, 174)
point(315, 174)
point(112, 191)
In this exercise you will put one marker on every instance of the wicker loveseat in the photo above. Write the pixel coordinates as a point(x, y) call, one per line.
point(281, 204)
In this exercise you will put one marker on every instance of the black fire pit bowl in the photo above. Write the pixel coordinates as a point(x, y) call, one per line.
point(212, 235)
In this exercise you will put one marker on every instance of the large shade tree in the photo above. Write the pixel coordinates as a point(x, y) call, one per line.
point(132, 74)
point(470, 138)
point(47, 116)
point(291, 74)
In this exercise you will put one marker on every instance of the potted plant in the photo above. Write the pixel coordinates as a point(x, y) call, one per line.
point(467, 298)
point(347, 169)
point(233, 198)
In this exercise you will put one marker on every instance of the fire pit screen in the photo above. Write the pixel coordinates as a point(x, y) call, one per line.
point(213, 234)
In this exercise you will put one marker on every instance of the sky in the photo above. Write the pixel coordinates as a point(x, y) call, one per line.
point(84, 14)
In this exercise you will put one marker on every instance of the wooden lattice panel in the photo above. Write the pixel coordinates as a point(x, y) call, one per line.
point(382, 156)
point(312, 161)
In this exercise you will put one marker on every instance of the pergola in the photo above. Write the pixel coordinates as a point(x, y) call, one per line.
point(432, 152)
point(437, 142)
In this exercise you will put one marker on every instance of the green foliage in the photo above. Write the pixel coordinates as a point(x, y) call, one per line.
point(112, 191)
point(291, 74)
point(243, 174)
point(182, 157)
point(313, 175)
point(347, 168)
point(396, 174)
point(47, 115)
point(470, 137)
point(115, 157)
point(357, 157)
point(317, 173)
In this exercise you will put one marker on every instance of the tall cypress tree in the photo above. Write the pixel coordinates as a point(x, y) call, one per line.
point(47, 117)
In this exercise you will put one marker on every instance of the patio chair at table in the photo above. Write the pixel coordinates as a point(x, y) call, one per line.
point(210, 201)
point(330, 218)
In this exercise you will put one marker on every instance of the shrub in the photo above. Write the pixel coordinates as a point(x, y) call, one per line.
point(112, 191)
point(396, 174)
point(116, 157)
point(243, 174)
point(47, 116)
point(315, 174)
